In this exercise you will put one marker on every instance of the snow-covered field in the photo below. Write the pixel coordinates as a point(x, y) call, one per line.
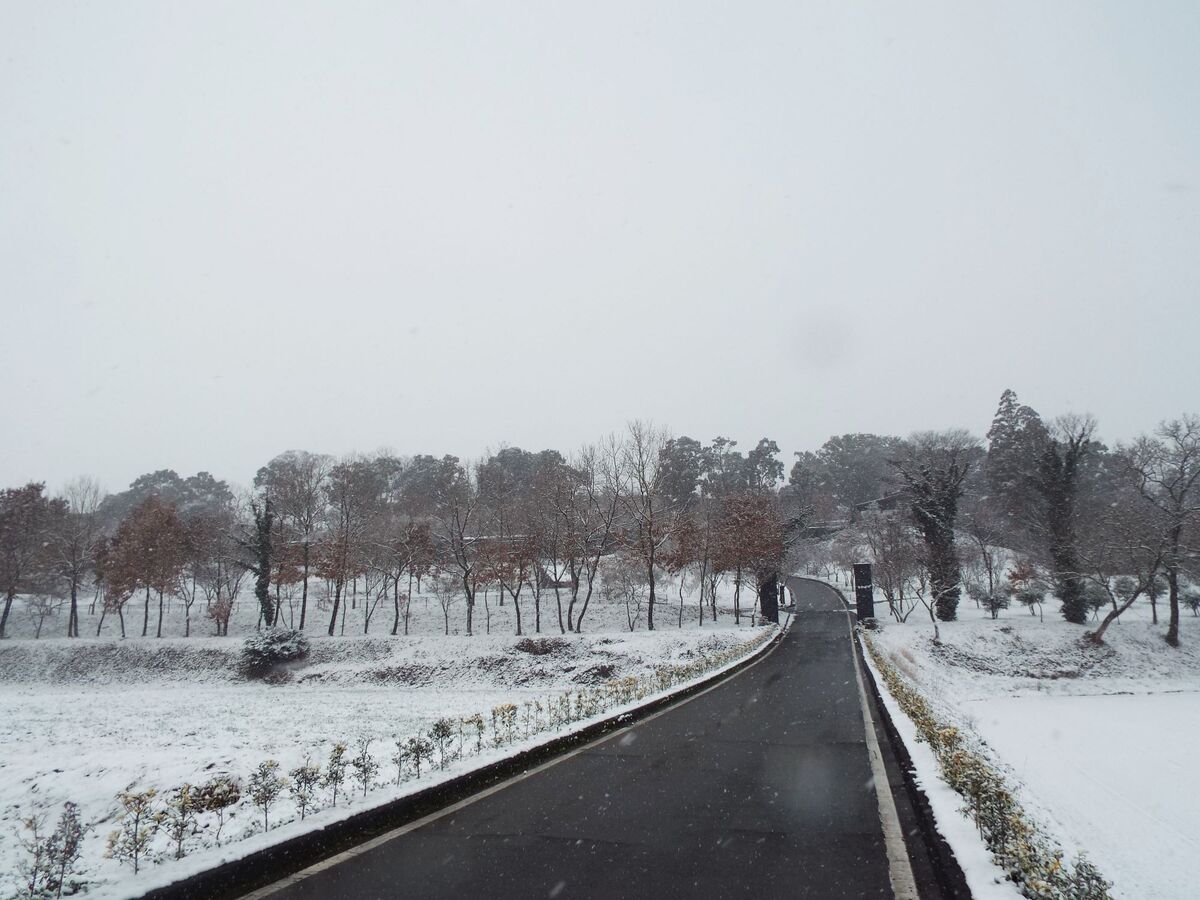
point(1097, 739)
point(87, 718)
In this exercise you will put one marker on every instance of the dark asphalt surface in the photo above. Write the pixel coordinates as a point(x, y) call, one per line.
point(759, 788)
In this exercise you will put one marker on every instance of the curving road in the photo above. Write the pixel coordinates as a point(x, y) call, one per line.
point(760, 787)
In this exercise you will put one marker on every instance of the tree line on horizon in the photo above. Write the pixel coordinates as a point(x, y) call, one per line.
point(326, 534)
point(1038, 508)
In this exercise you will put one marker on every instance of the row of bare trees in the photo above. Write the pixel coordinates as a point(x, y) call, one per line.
point(323, 536)
point(1041, 509)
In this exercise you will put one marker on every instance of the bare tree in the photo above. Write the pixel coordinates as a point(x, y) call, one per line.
point(354, 493)
point(41, 605)
point(75, 541)
point(215, 563)
point(1166, 468)
point(594, 511)
point(896, 557)
point(446, 589)
point(458, 511)
point(986, 526)
point(407, 550)
point(650, 514)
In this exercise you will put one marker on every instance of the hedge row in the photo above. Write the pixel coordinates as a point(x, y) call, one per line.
point(1033, 862)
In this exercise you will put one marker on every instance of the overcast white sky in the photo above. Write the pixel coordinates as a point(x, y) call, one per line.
point(227, 230)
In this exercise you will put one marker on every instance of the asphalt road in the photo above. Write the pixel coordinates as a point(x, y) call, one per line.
point(761, 787)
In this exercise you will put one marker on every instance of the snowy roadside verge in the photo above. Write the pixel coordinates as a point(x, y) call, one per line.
point(1002, 852)
point(267, 856)
point(985, 880)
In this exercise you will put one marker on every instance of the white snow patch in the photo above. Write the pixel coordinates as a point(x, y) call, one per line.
point(1094, 739)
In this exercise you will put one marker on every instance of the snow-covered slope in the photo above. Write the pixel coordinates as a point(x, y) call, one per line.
point(1095, 737)
point(85, 719)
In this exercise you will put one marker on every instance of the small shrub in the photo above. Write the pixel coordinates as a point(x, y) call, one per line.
point(303, 785)
point(66, 846)
point(477, 724)
point(994, 602)
point(1191, 599)
point(399, 758)
point(364, 765)
point(50, 858)
point(264, 787)
point(35, 869)
point(263, 652)
point(1124, 587)
point(1029, 598)
point(335, 769)
point(441, 733)
point(417, 749)
point(504, 720)
point(179, 816)
point(541, 646)
point(976, 591)
point(1095, 598)
point(137, 823)
point(218, 796)
point(1157, 588)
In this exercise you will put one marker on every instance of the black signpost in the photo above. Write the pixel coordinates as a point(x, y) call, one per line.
point(768, 598)
point(864, 592)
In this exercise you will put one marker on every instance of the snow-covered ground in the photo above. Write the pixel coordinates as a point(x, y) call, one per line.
point(87, 718)
point(1097, 739)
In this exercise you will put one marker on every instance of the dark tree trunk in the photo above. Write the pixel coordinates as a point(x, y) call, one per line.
point(470, 606)
point(1173, 599)
point(304, 589)
point(337, 601)
point(558, 600)
point(160, 614)
point(146, 615)
point(396, 605)
point(408, 603)
point(650, 610)
point(73, 617)
point(737, 596)
point(517, 608)
point(8, 602)
point(571, 606)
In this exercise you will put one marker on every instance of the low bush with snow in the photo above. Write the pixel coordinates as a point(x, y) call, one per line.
point(263, 652)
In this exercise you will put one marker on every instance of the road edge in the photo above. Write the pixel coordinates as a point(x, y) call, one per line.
point(264, 867)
